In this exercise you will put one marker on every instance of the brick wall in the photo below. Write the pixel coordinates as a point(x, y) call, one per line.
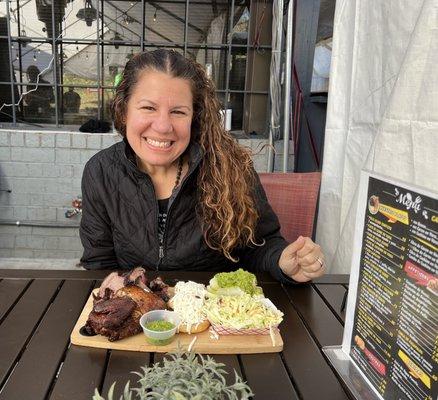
point(43, 172)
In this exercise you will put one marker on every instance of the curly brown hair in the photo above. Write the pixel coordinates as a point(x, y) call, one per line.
point(226, 179)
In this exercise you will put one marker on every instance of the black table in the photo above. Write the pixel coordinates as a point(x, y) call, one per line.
point(38, 310)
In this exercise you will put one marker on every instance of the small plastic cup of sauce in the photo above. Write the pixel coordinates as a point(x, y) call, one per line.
point(159, 326)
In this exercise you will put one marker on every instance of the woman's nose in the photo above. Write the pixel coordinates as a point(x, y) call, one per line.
point(162, 123)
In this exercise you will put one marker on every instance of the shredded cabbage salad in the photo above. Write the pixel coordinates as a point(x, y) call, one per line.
point(241, 312)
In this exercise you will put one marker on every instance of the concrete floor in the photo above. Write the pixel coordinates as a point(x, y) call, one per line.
point(39, 263)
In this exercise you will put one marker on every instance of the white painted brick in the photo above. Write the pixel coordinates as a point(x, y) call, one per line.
point(279, 147)
point(94, 141)
point(13, 169)
point(22, 253)
point(41, 214)
point(35, 242)
point(260, 163)
point(18, 199)
point(66, 156)
point(35, 199)
point(66, 171)
point(87, 154)
point(57, 254)
point(6, 212)
point(109, 140)
point(78, 141)
point(5, 153)
point(17, 139)
point(5, 253)
point(19, 213)
point(69, 243)
point(15, 230)
point(16, 153)
point(70, 232)
point(33, 185)
point(7, 241)
point(5, 139)
point(259, 146)
point(35, 170)
point(32, 139)
point(51, 242)
point(63, 139)
point(21, 241)
point(68, 185)
point(78, 170)
point(58, 199)
point(48, 139)
point(245, 142)
point(37, 155)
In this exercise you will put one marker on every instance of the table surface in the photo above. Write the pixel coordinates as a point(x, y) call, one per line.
point(38, 310)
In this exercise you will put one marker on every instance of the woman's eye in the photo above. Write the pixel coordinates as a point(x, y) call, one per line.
point(148, 108)
point(179, 112)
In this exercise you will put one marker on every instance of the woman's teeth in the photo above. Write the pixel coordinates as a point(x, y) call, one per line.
point(157, 143)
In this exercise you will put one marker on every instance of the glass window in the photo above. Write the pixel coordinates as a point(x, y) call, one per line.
point(60, 60)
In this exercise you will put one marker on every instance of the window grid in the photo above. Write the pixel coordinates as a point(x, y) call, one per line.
point(57, 43)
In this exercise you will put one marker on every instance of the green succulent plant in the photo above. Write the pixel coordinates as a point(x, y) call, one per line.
point(183, 376)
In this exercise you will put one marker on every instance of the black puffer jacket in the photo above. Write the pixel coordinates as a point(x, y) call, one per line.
point(119, 227)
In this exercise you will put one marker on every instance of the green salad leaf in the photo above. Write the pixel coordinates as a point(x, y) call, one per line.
point(234, 283)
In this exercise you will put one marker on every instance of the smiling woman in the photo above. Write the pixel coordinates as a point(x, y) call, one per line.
point(179, 192)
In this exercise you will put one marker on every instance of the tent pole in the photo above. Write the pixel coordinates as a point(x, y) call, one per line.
point(287, 80)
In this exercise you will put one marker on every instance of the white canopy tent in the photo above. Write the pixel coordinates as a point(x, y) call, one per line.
point(382, 110)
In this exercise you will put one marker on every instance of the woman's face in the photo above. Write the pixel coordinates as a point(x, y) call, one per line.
point(158, 118)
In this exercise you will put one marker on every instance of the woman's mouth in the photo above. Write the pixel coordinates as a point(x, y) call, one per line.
point(160, 144)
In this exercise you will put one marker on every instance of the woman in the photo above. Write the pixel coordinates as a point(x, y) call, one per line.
point(178, 192)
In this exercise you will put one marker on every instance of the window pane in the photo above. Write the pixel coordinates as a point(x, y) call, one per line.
point(27, 21)
point(165, 22)
point(122, 21)
point(240, 29)
point(236, 105)
point(108, 95)
point(214, 62)
point(80, 67)
point(79, 104)
point(208, 23)
point(6, 98)
point(114, 61)
point(238, 68)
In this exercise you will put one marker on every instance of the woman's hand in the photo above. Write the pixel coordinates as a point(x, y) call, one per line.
point(302, 260)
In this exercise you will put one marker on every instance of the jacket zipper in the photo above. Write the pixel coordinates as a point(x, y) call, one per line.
point(161, 242)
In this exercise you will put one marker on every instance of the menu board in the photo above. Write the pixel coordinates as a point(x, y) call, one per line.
point(393, 340)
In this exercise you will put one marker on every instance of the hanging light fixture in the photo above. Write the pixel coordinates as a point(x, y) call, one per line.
point(24, 39)
point(34, 56)
point(88, 13)
point(116, 40)
point(127, 19)
point(130, 55)
point(155, 14)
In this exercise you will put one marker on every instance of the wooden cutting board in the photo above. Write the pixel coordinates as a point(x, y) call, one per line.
point(204, 344)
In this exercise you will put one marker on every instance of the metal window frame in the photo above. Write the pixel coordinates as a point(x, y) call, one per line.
point(102, 44)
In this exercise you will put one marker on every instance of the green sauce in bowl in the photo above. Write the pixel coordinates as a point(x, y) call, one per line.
point(159, 326)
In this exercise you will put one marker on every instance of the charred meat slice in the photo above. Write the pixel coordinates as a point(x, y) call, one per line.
point(119, 316)
point(117, 280)
point(112, 318)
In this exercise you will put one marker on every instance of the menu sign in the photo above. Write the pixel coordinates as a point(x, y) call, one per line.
point(394, 338)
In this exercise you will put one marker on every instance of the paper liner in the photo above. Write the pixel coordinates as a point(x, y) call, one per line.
point(222, 330)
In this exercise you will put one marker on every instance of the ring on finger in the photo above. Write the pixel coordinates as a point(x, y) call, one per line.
point(321, 262)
